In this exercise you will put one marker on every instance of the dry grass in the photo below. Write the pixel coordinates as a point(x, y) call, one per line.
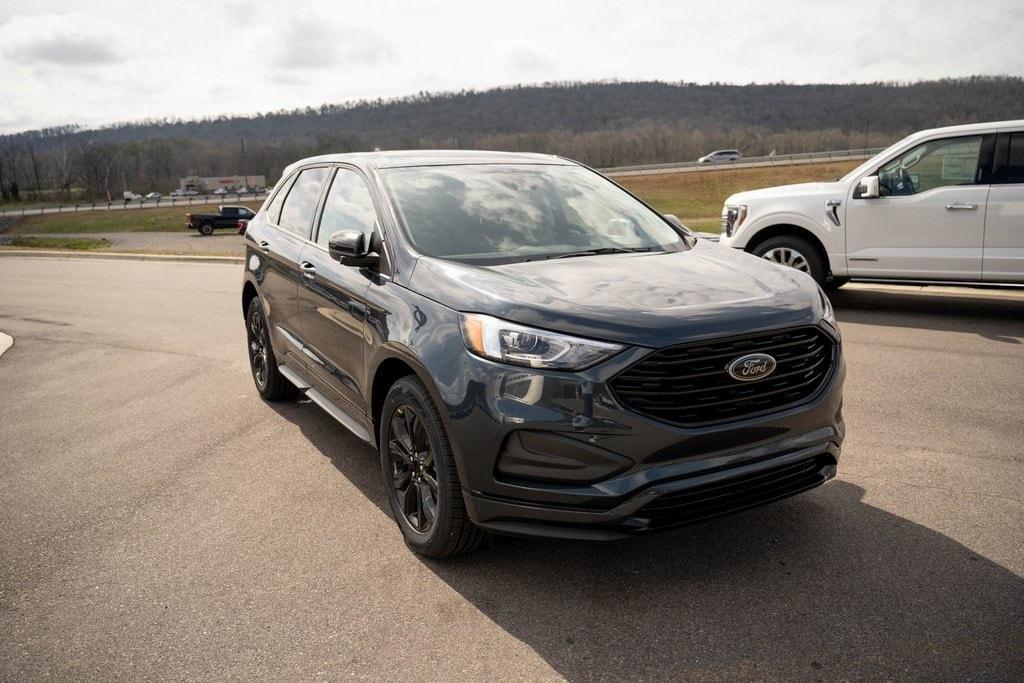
point(164, 219)
point(697, 197)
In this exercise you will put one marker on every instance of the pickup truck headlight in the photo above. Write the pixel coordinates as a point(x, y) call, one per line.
point(507, 342)
point(733, 216)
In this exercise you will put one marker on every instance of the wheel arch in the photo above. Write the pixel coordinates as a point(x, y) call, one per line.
point(248, 294)
point(781, 229)
point(390, 368)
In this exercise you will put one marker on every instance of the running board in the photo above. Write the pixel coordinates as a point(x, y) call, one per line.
point(347, 421)
point(293, 377)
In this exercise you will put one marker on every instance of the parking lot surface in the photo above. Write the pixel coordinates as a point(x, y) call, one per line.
point(158, 520)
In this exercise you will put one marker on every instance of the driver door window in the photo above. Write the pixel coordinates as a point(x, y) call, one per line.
point(348, 207)
point(936, 163)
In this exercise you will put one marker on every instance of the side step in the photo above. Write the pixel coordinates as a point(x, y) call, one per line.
point(347, 421)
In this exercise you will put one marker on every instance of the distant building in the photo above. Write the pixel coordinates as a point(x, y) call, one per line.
point(231, 183)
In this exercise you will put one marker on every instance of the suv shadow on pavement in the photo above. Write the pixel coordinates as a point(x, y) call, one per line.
point(988, 317)
point(820, 586)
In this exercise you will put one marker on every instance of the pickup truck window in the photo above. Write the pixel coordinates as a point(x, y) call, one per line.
point(936, 163)
point(348, 207)
point(300, 204)
point(1009, 168)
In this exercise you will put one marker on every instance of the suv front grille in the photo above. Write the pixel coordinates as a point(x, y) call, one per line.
point(689, 385)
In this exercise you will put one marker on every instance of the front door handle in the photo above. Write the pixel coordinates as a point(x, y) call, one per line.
point(308, 270)
point(961, 206)
point(265, 246)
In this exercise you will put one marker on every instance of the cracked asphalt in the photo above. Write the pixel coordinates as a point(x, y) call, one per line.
point(159, 521)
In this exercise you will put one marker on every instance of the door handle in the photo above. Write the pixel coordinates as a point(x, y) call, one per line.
point(961, 206)
point(308, 270)
point(265, 246)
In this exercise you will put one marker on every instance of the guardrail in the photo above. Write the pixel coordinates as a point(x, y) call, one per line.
point(748, 162)
point(643, 169)
point(126, 205)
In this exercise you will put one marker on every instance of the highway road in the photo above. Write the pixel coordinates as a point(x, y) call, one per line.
point(159, 521)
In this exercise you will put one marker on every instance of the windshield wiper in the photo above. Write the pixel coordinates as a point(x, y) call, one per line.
point(601, 250)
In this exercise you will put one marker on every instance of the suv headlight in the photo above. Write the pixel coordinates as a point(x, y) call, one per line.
point(733, 216)
point(508, 342)
point(828, 312)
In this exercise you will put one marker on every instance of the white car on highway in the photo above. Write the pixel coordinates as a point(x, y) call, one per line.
point(940, 205)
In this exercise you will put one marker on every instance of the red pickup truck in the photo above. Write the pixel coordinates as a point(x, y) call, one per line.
point(226, 217)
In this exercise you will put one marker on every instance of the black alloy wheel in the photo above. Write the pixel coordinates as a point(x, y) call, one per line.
point(413, 472)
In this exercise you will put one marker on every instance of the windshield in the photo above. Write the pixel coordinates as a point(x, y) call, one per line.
point(503, 213)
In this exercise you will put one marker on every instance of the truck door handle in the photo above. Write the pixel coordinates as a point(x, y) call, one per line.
point(308, 270)
point(265, 246)
point(961, 206)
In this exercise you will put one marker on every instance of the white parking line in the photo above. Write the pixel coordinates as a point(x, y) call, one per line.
point(6, 342)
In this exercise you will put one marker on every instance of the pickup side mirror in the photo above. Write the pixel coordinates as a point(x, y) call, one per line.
point(674, 220)
point(867, 188)
point(350, 248)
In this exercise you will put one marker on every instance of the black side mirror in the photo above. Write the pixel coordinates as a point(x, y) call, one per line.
point(350, 248)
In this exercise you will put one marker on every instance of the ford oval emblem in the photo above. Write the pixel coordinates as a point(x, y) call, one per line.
point(751, 366)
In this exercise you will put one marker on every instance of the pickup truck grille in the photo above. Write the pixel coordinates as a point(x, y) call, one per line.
point(689, 385)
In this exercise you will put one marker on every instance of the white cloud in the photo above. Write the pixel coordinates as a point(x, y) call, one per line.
point(66, 40)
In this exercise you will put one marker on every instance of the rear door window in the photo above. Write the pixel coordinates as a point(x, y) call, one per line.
point(1009, 167)
point(274, 208)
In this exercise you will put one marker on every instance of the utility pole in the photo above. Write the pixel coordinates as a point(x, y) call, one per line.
point(244, 166)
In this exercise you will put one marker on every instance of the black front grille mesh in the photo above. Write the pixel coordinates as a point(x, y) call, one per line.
point(737, 493)
point(689, 385)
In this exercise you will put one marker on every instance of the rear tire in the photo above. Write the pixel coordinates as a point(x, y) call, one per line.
point(270, 383)
point(794, 252)
point(424, 490)
point(206, 229)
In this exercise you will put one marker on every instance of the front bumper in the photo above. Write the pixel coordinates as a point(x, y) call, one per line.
point(556, 454)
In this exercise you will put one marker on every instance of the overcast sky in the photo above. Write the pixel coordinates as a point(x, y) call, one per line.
point(101, 62)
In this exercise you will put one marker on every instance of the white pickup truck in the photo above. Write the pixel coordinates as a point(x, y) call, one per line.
point(940, 205)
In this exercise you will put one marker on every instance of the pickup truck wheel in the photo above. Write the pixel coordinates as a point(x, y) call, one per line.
point(788, 250)
point(206, 229)
point(424, 491)
point(271, 384)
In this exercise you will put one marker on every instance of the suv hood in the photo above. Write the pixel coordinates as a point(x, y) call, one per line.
point(643, 299)
point(781, 191)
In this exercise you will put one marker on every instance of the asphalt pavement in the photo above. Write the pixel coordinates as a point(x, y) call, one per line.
point(159, 521)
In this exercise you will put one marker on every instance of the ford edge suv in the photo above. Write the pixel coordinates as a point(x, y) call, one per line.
point(535, 351)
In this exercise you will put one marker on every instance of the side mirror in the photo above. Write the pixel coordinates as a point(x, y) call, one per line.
point(350, 248)
point(674, 220)
point(867, 188)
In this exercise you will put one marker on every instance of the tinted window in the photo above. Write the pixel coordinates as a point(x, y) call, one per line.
point(300, 204)
point(1010, 163)
point(274, 209)
point(489, 214)
point(936, 163)
point(348, 207)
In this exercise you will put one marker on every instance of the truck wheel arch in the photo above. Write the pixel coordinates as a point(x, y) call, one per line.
point(789, 229)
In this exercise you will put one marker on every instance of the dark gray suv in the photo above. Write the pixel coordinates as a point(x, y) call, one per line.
point(535, 351)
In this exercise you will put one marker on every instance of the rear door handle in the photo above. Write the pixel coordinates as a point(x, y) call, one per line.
point(308, 270)
point(961, 206)
point(265, 246)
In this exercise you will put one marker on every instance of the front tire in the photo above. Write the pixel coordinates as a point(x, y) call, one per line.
point(269, 381)
point(424, 491)
point(796, 253)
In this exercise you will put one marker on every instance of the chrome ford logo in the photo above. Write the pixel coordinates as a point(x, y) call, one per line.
point(751, 366)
